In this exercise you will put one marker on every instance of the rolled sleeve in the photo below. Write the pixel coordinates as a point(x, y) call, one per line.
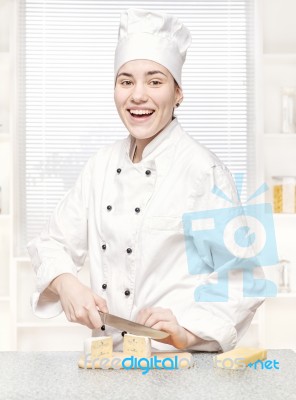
point(62, 245)
point(216, 332)
point(49, 261)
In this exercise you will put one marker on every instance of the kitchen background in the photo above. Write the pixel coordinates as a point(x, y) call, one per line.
point(274, 325)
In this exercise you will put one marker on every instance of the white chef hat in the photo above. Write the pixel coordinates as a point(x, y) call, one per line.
point(150, 35)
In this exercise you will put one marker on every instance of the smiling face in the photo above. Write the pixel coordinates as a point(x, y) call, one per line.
point(145, 96)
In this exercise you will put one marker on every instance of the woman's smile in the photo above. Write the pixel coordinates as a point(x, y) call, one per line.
point(140, 114)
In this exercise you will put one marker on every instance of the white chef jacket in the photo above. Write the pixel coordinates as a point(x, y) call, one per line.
point(127, 217)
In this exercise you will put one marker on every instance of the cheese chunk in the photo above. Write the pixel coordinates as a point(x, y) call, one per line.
point(139, 346)
point(234, 359)
point(99, 347)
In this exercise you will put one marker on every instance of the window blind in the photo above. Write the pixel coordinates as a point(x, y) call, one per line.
point(66, 107)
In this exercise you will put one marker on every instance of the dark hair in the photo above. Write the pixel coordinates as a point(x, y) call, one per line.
point(176, 87)
point(176, 84)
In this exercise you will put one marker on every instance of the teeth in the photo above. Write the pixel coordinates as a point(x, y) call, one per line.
point(141, 112)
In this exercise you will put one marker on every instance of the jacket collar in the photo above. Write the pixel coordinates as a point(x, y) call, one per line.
point(157, 146)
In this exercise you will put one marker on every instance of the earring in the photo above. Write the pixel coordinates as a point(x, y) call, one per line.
point(177, 104)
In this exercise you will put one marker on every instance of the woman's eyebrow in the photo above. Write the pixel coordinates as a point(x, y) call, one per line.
point(147, 73)
point(125, 74)
point(155, 72)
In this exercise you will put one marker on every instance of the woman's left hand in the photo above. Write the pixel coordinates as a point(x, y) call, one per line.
point(164, 320)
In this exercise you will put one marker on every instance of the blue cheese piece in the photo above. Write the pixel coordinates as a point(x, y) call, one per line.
point(99, 347)
point(139, 346)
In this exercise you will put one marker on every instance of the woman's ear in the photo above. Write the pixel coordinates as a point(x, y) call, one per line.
point(178, 95)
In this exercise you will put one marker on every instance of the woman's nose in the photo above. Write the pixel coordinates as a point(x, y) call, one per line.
point(139, 93)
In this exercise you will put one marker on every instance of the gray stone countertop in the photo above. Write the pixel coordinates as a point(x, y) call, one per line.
point(55, 376)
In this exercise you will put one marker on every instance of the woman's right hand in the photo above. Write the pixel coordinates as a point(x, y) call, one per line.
point(79, 302)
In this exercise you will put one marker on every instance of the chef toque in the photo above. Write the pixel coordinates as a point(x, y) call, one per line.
point(150, 35)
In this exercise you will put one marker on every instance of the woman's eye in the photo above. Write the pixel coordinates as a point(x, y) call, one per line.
point(126, 83)
point(155, 83)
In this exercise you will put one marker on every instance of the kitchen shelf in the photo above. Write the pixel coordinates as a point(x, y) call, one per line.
point(46, 324)
point(290, 136)
point(255, 322)
point(284, 216)
point(290, 295)
point(4, 298)
point(4, 137)
point(22, 259)
point(279, 57)
point(4, 216)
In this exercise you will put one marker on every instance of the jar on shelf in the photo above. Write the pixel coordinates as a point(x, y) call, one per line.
point(284, 194)
point(284, 276)
point(289, 110)
point(1, 123)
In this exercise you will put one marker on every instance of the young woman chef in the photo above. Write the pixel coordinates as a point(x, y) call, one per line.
point(125, 211)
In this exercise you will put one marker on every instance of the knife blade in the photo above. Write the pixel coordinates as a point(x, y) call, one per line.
point(131, 327)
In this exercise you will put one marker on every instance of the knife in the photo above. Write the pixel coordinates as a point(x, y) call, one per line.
point(131, 327)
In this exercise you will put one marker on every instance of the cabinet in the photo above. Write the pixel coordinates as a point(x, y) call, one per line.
point(6, 67)
point(274, 325)
point(277, 315)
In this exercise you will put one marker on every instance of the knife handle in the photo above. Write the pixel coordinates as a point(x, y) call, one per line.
point(103, 317)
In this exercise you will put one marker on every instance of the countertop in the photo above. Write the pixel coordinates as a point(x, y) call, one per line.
point(55, 376)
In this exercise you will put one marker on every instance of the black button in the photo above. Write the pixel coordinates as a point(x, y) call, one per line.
point(129, 251)
point(109, 208)
point(103, 327)
point(127, 292)
point(104, 247)
point(148, 172)
point(123, 333)
point(118, 170)
point(137, 210)
point(104, 286)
